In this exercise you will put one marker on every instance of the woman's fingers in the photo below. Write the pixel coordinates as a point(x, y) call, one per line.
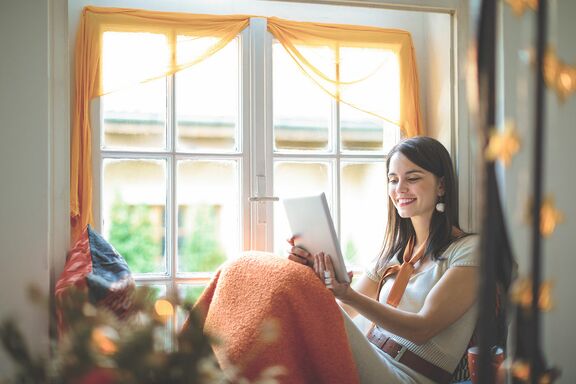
point(291, 240)
point(298, 254)
point(328, 263)
point(339, 289)
point(329, 275)
point(298, 259)
point(319, 265)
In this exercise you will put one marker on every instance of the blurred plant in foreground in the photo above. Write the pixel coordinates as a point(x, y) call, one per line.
point(99, 348)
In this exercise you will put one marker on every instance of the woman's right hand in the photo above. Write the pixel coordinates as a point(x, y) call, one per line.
point(299, 255)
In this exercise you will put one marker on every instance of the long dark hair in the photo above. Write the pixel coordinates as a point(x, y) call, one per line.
point(430, 155)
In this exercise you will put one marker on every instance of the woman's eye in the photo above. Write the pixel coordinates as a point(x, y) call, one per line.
point(414, 179)
point(392, 181)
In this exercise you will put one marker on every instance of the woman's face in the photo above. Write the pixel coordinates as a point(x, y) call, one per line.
point(414, 191)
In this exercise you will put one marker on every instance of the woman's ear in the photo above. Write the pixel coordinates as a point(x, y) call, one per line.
point(441, 190)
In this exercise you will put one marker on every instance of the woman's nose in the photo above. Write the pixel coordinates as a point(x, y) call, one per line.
point(401, 186)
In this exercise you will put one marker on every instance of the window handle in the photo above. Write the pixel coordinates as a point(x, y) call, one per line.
point(264, 198)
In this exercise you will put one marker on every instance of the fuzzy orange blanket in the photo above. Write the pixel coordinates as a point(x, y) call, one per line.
point(268, 311)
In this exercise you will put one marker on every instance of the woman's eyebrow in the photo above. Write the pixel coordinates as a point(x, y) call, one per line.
point(407, 172)
point(414, 171)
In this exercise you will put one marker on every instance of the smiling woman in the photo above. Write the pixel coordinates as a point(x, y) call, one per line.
point(420, 295)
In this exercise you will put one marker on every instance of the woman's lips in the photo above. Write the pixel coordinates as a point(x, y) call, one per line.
point(405, 201)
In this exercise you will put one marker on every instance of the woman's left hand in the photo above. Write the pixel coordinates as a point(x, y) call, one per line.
point(325, 271)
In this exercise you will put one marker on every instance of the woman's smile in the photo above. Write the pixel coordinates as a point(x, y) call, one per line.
point(404, 201)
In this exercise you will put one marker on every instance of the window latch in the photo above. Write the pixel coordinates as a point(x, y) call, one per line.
point(264, 198)
point(261, 190)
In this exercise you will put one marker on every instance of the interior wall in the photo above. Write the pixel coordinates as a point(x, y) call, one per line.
point(518, 104)
point(560, 263)
point(24, 167)
point(437, 98)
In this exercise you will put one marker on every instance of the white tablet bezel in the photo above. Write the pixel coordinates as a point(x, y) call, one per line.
point(311, 224)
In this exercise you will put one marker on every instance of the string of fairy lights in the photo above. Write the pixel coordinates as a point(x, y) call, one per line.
point(503, 144)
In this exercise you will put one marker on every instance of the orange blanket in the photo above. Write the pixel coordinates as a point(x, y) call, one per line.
point(269, 311)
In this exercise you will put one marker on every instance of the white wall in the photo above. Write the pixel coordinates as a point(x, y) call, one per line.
point(436, 101)
point(24, 166)
point(517, 103)
point(560, 260)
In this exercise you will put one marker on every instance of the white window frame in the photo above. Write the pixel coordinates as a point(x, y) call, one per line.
point(256, 156)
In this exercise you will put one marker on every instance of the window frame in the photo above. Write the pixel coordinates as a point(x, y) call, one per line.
point(172, 278)
point(256, 157)
point(459, 146)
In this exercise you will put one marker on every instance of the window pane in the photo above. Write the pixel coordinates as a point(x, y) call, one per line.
point(188, 293)
point(208, 214)
point(379, 92)
point(154, 291)
point(162, 335)
point(134, 211)
point(135, 118)
point(207, 101)
point(361, 131)
point(363, 207)
point(134, 115)
point(294, 178)
point(302, 111)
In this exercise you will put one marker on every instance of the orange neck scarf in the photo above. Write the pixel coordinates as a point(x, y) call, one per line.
point(404, 271)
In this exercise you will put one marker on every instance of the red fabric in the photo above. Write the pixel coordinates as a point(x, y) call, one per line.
point(78, 266)
point(269, 311)
point(94, 267)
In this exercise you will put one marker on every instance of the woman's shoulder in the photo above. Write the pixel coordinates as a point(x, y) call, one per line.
point(463, 251)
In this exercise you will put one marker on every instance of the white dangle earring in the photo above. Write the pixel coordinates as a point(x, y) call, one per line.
point(440, 206)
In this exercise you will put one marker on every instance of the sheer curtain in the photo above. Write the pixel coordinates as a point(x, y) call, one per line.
point(341, 59)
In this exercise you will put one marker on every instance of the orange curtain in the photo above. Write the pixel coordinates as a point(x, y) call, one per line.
point(335, 57)
point(303, 41)
point(209, 32)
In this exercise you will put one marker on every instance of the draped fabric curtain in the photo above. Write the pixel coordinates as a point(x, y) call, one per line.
point(328, 53)
point(188, 39)
point(341, 59)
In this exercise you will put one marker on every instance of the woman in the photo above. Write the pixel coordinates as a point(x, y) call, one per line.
point(423, 314)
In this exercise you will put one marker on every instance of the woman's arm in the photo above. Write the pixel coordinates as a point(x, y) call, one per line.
point(450, 298)
point(364, 286)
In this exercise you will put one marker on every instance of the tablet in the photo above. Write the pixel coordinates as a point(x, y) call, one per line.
point(311, 224)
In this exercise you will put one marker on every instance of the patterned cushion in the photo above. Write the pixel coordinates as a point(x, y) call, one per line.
point(93, 266)
point(461, 372)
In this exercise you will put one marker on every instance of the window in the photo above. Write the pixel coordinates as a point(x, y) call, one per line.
point(321, 145)
point(178, 158)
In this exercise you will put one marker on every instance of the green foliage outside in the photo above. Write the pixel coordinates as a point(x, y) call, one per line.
point(351, 252)
point(132, 234)
point(200, 250)
point(191, 293)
